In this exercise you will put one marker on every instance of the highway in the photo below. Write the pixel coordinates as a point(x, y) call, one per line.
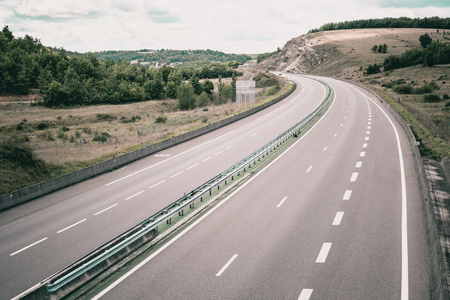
point(337, 216)
point(45, 235)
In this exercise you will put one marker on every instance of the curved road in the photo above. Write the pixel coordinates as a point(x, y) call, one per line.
point(339, 217)
point(43, 236)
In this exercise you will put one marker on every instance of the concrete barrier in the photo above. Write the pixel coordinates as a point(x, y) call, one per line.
point(52, 185)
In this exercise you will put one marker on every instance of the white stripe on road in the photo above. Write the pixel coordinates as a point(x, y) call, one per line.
point(29, 246)
point(347, 195)
point(157, 184)
point(134, 195)
point(338, 218)
point(68, 227)
point(305, 294)
point(309, 169)
point(228, 148)
point(192, 166)
point(365, 145)
point(226, 265)
point(219, 152)
point(206, 159)
point(105, 209)
point(358, 164)
point(354, 177)
point(172, 157)
point(174, 175)
point(322, 257)
point(281, 203)
point(325, 149)
point(362, 154)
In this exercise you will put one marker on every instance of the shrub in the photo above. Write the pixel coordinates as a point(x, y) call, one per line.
point(43, 125)
point(102, 137)
point(273, 90)
point(105, 117)
point(403, 89)
point(161, 119)
point(431, 98)
point(445, 97)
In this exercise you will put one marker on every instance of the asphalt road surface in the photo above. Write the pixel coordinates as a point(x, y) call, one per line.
point(337, 216)
point(43, 236)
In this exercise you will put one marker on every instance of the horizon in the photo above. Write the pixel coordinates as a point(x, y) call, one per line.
point(233, 27)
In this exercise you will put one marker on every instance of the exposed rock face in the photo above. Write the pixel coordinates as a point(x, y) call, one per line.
point(297, 56)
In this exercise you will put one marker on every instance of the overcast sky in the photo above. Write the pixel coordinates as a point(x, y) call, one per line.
point(232, 26)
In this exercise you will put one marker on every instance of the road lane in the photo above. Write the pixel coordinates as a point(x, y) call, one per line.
point(355, 236)
point(132, 194)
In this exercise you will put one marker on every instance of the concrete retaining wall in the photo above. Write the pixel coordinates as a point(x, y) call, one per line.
point(41, 189)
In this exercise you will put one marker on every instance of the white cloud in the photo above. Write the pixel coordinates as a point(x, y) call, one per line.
point(251, 26)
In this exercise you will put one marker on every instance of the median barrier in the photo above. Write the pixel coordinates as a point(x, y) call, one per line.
point(99, 260)
point(38, 190)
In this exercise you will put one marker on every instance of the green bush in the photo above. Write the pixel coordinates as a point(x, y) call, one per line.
point(43, 125)
point(431, 98)
point(161, 119)
point(403, 89)
point(273, 90)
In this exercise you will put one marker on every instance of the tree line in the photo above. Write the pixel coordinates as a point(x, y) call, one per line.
point(64, 80)
point(402, 22)
point(432, 53)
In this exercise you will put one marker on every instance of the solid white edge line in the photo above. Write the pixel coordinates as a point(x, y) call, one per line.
point(163, 161)
point(132, 196)
point(338, 218)
point(305, 294)
point(175, 238)
point(405, 267)
point(322, 257)
point(96, 214)
point(226, 265)
point(282, 201)
point(68, 227)
point(29, 246)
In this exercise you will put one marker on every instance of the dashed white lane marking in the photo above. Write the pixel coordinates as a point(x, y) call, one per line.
point(362, 154)
point(73, 225)
point(365, 145)
point(174, 175)
point(347, 195)
point(254, 134)
point(219, 152)
point(282, 201)
point(335, 135)
point(369, 127)
point(366, 138)
point(97, 213)
point(309, 169)
point(156, 184)
point(229, 147)
point(29, 246)
point(192, 166)
point(354, 177)
point(338, 218)
point(132, 196)
point(358, 164)
point(305, 294)
point(325, 149)
point(322, 257)
point(206, 159)
point(172, 157)
point(226, 265)
point(342, 124)
point(367, 132)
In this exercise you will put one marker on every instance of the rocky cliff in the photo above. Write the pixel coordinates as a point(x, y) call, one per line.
point(297, 56)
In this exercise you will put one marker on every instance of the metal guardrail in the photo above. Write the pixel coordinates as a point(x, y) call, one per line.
point(165, 214)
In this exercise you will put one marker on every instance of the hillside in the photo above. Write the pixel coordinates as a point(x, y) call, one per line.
point(347, 54)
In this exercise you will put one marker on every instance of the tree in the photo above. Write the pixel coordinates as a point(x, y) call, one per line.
point(374, 48)
point(195, 82)
point(425, 40)
point(185, 96)
point(208, 86)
